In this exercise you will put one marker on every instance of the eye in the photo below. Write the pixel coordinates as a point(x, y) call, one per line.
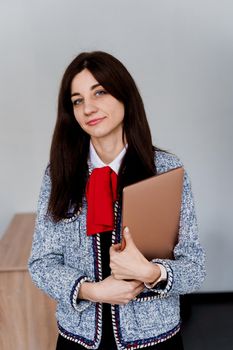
point(77, 101)
point(100, 92)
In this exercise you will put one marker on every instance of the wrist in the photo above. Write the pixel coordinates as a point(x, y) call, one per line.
point(87, 291)
point(152, 273)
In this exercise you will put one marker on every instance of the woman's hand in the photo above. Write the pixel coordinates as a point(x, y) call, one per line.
point(130, 263)
point(110, 291)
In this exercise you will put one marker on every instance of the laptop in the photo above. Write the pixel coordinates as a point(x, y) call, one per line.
point(151, 210)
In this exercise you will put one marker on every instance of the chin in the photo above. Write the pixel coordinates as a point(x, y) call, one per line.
point(97, 133)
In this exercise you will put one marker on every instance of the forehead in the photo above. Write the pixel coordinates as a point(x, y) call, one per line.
point(83, 81)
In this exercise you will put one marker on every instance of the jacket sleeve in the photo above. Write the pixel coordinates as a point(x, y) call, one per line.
point(46, 262)
point(186, 272)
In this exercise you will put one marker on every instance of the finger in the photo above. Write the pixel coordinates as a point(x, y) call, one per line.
point(117, 277)
point(111, 251)
point(123, 243)
point(136, 283)
point(127, 236)
point(117, 246)
point(139, 289)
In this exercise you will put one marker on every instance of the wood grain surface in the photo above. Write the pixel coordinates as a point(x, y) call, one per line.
point(27, 315)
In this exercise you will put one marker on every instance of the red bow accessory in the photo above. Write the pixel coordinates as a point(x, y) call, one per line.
point(101, 193)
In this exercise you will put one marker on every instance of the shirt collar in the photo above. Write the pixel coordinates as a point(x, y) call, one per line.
point(98, 163)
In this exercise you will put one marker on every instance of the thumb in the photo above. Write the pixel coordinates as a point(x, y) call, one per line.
point(127, 235)
point(116, 247)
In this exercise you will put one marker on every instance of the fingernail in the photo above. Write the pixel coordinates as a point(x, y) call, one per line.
point(126, 230)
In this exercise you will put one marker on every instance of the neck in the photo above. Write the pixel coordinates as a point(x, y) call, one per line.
point(107, 150)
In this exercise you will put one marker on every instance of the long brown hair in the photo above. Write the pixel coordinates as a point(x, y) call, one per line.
point(70, 144)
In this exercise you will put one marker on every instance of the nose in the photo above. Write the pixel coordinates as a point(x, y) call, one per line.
point(89, 107)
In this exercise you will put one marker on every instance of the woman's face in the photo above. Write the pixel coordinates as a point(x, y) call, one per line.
point(98, 113)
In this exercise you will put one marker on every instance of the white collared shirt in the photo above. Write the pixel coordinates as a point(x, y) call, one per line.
point(98, 163)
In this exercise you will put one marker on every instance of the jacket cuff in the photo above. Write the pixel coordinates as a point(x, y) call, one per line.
point(162, 278)
point(166, 285)
point(79, 304)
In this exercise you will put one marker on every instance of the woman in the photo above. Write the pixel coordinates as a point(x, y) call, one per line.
point(107, 298)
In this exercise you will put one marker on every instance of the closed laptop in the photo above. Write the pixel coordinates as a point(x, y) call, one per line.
point(151, 210)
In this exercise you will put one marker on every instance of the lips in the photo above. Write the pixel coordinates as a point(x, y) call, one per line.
point(95, 121)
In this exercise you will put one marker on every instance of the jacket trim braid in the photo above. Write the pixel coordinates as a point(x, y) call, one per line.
point(87, 343)
point(139, 343)
point(163, 292)
point(156, 293)
point(97, 257)
point(75, 291)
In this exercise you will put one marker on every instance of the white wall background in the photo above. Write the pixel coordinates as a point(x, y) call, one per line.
point(180, 53)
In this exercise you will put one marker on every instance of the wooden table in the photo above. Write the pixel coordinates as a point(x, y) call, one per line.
point(27, 320)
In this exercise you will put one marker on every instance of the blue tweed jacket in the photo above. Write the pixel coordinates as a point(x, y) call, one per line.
point(63, 257)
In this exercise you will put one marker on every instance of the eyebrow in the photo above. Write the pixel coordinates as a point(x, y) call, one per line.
point(92, 88)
